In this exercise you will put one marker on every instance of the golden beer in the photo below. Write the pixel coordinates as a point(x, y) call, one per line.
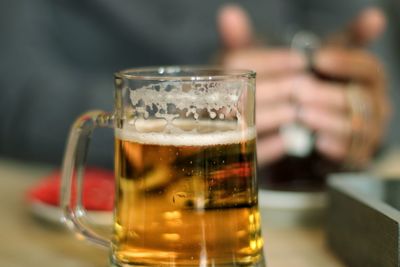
point(186, 199)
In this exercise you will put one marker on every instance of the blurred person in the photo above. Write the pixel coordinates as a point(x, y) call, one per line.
point(340, 96)
point(283, 79)
point(58, 57)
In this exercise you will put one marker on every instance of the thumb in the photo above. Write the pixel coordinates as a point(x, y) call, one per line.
point(234, 27)
point(368, 26)
point(365, 28)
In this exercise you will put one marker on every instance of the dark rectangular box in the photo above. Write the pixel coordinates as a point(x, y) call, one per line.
point(363, 220)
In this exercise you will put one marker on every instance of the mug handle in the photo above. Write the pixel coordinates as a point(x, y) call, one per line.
point(72, 173)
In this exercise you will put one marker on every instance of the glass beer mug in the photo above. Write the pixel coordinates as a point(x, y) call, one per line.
point(185, 169)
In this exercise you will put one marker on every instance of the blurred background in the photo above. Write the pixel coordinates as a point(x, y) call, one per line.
point(58, 57)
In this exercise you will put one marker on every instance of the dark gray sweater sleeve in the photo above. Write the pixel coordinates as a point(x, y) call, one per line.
point(58, 60)
point(41, 92)
point(327, 17)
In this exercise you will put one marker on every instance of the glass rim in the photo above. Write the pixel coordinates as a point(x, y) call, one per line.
point(184, 73)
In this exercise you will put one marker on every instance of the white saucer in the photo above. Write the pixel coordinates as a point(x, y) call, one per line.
point(280, 209)
point(285, 200)
point(54, 214)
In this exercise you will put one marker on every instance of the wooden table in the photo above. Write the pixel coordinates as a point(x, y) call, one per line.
point(28, 241)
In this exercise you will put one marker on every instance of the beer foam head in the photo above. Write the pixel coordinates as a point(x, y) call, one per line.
point(187, 112)
point(187, 138)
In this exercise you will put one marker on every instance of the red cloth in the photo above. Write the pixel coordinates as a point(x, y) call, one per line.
point(98, 190)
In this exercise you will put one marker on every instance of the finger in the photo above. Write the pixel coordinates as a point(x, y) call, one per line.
point(270, 149)
point(332, 147)
point(350, 65)
point(325, 121)
point(367, 26)
point(321, 93)
point(272, 117)
point(266, 62)
point(277, 89)
point(234, 27)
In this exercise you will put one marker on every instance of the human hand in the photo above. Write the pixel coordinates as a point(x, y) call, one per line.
point(277, 71)
point(324, 104)
point(349, 111)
